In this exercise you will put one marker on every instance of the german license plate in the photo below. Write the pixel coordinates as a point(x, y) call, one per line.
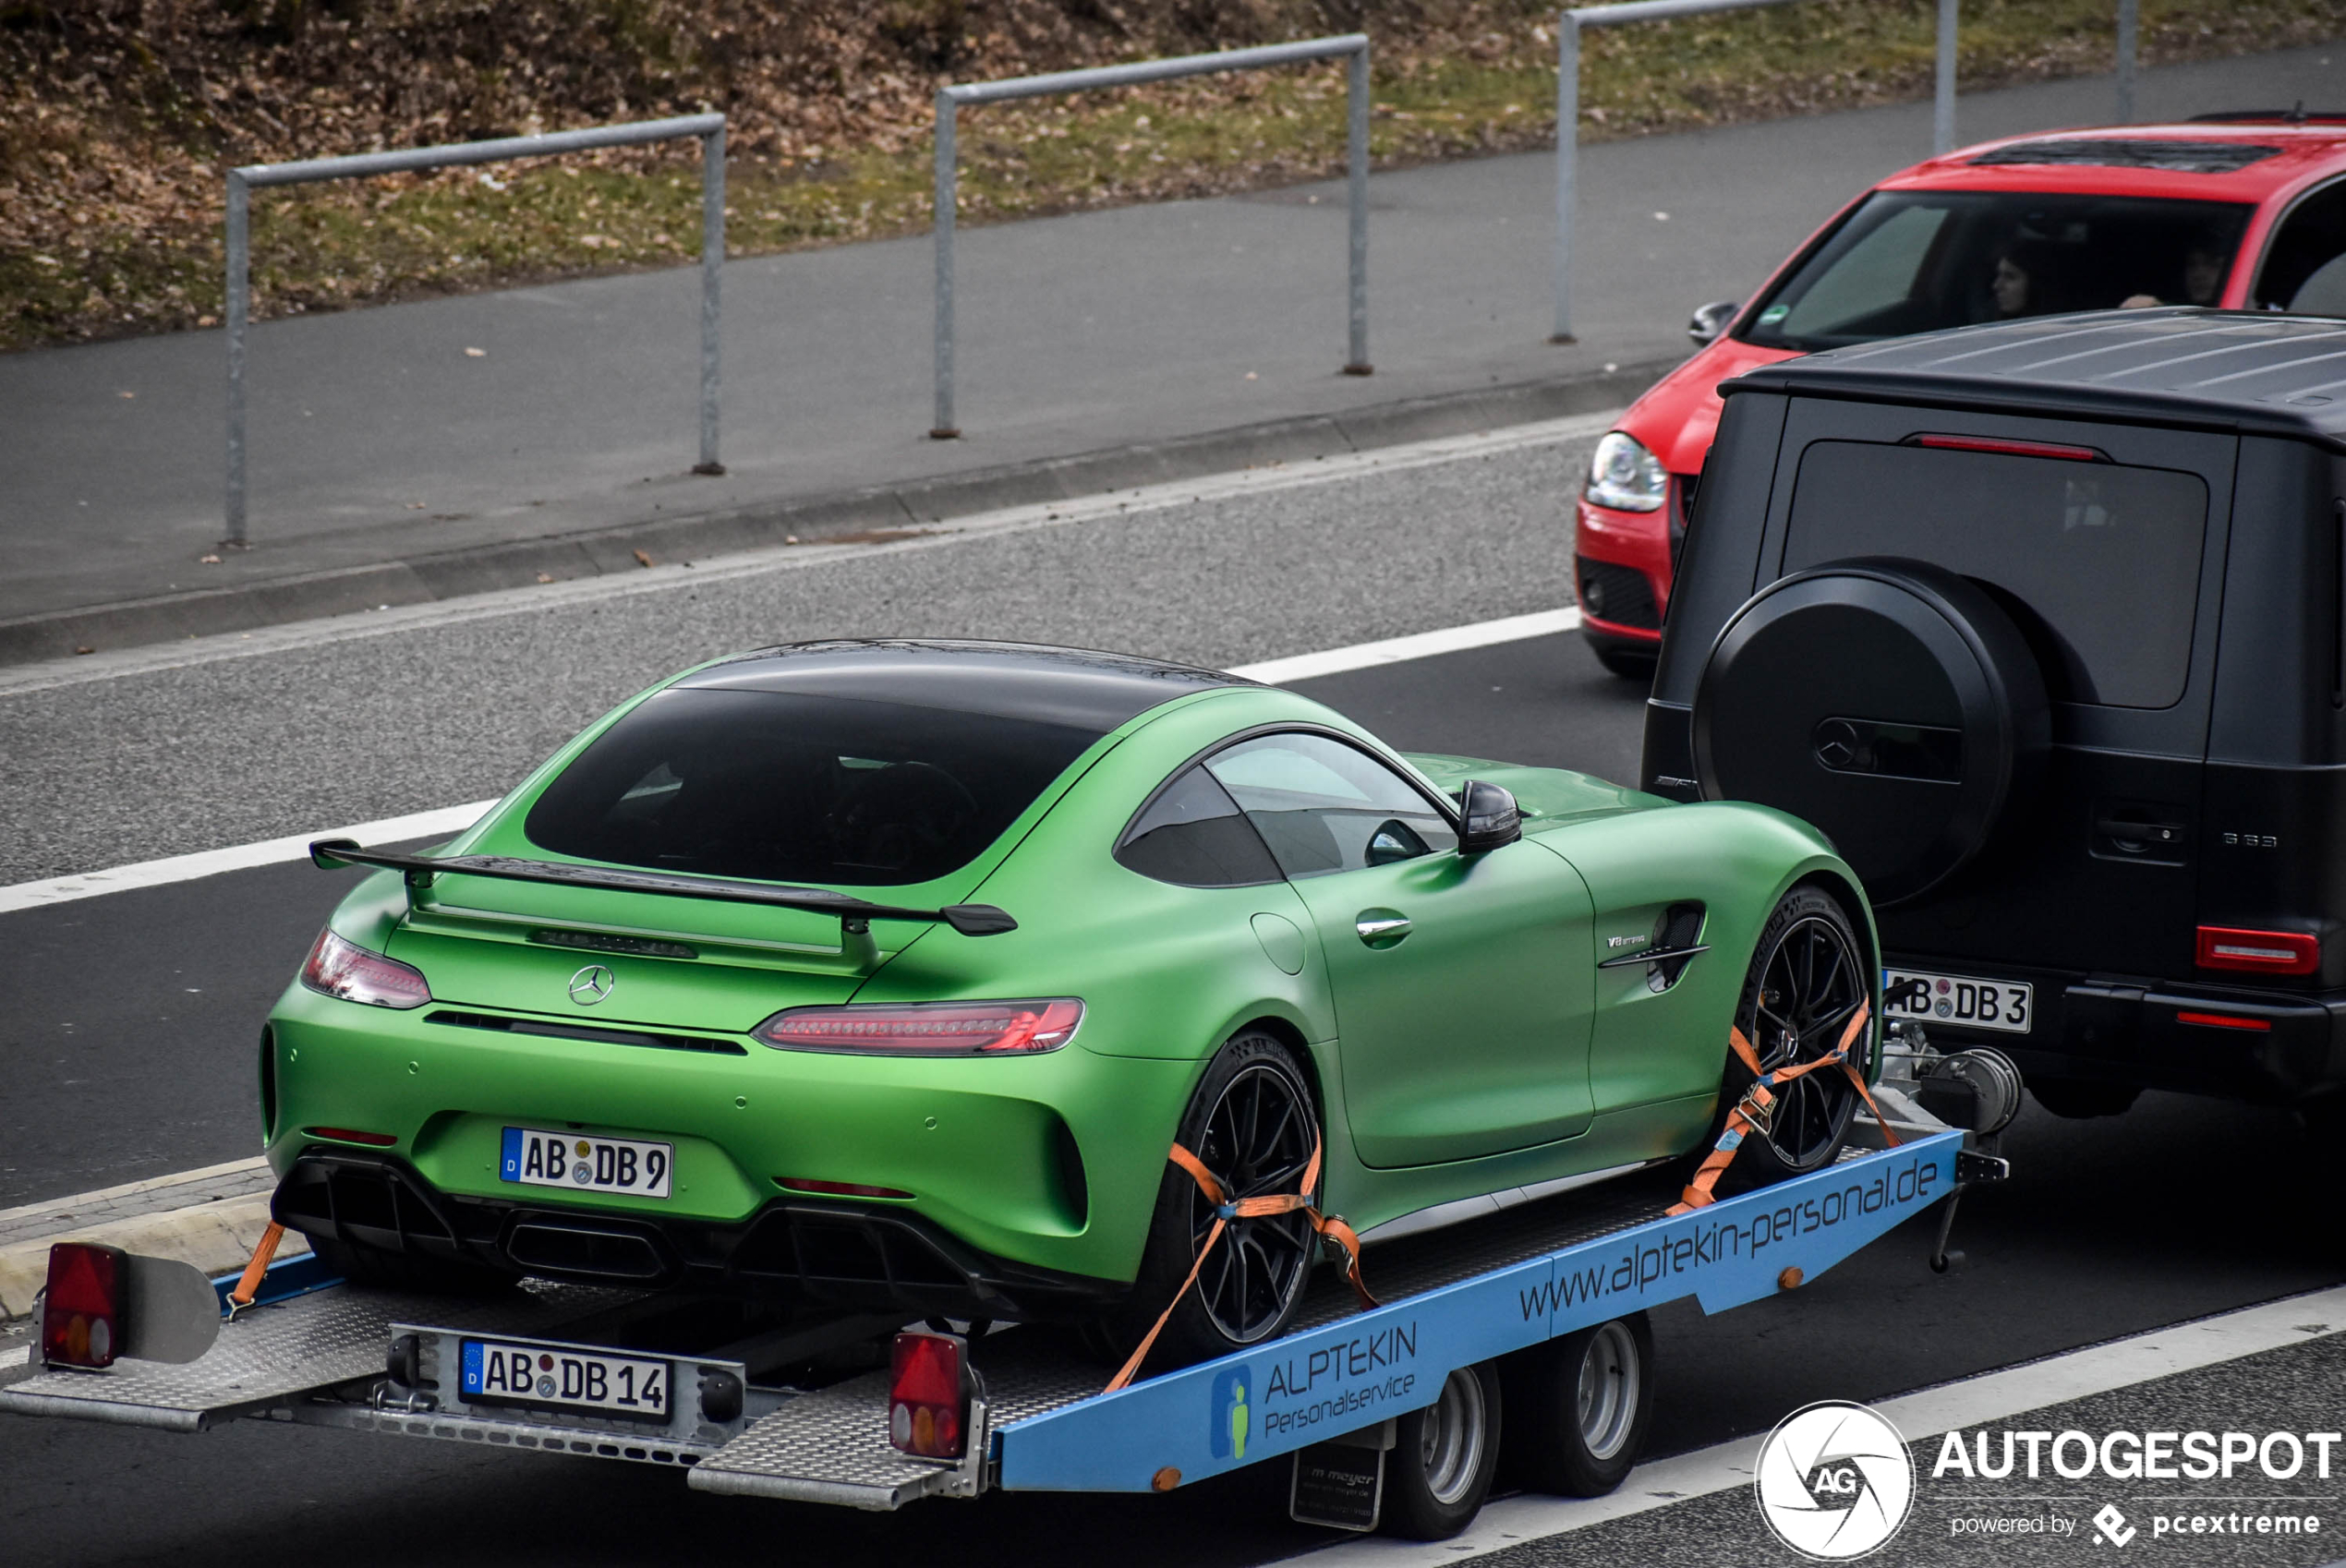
point(563, 1377)
point(2006, 1006)
point(585, 1164)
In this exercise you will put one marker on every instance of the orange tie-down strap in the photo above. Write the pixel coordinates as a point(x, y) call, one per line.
point(1753, 1108)
point(1227, 1210)
point(257, 1270)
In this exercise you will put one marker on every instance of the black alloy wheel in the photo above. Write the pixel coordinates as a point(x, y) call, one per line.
point(1807, 981)
point(1257, 1143)
point(1252, 1122)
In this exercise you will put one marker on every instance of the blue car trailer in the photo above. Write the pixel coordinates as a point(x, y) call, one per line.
point(1474, 1307)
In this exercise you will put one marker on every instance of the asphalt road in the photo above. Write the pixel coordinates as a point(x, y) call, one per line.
point(128, 1025)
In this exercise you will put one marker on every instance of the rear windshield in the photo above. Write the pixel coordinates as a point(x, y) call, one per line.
point(783, 787)
point(1916, 262)
point(2098, 563)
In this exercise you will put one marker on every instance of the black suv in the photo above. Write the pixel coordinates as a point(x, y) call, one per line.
point(2041, 623)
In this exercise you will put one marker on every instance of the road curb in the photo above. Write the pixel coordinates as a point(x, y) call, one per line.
point(216, 1237)
point(814, 519)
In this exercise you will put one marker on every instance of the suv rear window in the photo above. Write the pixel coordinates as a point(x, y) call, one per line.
point(2103, 560)
point(785, 787)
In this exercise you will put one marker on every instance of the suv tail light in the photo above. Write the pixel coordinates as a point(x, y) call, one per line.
point(2260, 952)
point(926, 1029)
point(927, 1395)
point(2011, 448)
point(81, 1316)
point(337, 968)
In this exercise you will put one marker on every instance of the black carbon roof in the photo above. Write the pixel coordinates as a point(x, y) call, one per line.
point(1076, 687)
point(2212, 369)
point(2206, 156)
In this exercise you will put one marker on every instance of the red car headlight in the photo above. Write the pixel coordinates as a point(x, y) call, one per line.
point(928, 1029)
point(337, 968)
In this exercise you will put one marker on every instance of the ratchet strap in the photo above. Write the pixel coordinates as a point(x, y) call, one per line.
point(1226, 1210)
point(250, 1285)
point(1751, 1112)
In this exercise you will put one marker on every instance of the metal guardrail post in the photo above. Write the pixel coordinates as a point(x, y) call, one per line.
point(710, 130)
point(239, 294)
point(1568, 168)
point(1353, 46)
point(712, 277)
point(1943, 108)
point(948, 199)
point(1356, 152)
point(2129, 46)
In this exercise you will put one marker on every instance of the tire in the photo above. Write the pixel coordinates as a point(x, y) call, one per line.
point(1627, 663)
point(2081, 1100)
point(1807, 976)
point(409, 1272)
point(1895, 705)
point(1579, 1407)
point(1443, 1457)
point(1251, 1121)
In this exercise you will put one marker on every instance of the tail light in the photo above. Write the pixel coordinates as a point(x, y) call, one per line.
point(2012, 448)
point(352, 1135)
point(342, 969)
point(2260, 952)
point(838, 1189)
point(928, 1029)
point(81, 1316)
point(927, 1398)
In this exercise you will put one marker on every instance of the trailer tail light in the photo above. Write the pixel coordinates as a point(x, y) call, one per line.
point(927, 1405)
point(337, 968)
point(928, 1029)
point(2260, 952)
point(81, 1316)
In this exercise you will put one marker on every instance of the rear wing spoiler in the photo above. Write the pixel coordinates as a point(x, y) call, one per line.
point(855, 915)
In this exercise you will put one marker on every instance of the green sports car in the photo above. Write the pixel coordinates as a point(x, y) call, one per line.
point(886, 975)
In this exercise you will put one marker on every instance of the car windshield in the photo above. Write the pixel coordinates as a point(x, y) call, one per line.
point(1917, 262)
point(787, 787)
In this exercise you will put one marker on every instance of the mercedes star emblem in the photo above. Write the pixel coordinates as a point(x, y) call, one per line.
point(591, 985)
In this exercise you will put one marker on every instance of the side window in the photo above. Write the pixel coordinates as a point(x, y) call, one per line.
point(2304, 268)
point(1323, 806)
point(1193, 834)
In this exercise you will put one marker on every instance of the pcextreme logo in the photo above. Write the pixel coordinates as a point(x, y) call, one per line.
point(1229, 1414)
point(1834, 1481)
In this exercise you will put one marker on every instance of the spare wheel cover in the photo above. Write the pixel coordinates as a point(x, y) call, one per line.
point(1891, 703)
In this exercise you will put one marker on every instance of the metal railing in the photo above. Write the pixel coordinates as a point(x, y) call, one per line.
point(710, 130)
point(1353, 48)
point(1570, 22)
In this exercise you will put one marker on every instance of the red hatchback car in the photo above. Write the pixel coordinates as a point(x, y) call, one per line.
point(2245, 211)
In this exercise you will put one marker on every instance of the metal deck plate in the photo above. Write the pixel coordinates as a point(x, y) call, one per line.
point(271, 1353)
point(832, 1446)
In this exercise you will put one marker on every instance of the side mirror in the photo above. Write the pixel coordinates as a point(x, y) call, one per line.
point(1493, 819)
point(1709, 321)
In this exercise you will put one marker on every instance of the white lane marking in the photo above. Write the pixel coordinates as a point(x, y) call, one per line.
point(1111, 504)
point(1400, 650)
point(1976, 1401)
point(445, 823)
point(450, 821)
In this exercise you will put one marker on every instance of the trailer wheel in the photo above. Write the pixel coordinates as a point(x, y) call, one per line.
point(1443, 1457)
point(1579, 1407)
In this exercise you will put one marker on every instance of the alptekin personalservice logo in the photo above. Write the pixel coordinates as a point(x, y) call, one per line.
point(1834, 1481)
